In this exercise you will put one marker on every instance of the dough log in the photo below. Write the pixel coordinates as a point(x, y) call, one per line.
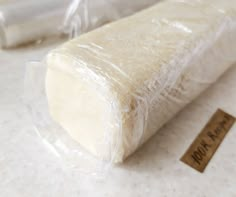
point(113, 88)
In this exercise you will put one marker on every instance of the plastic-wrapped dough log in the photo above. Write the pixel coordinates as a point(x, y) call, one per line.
point(30, 20)
point(113, 88)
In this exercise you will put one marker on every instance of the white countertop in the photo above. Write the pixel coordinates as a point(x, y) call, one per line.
point(29, 169)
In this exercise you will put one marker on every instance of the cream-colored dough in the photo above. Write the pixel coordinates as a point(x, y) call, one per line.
point(113, 88)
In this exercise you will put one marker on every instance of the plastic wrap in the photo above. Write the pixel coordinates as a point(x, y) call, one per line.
point(85, 15)
point(29, 20)
point(135, 74)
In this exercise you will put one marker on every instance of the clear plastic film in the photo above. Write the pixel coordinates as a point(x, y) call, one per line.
point(111, 89)
point(85, 15)
point(29, 20)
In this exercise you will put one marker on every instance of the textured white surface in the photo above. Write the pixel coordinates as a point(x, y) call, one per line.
point(28, 169)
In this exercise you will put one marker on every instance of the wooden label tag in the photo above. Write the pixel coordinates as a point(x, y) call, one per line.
point(206, 143)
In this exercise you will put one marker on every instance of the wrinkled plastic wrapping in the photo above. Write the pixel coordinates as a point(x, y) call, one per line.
point(127, 79)
point(85, 15)
point(29, 20)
